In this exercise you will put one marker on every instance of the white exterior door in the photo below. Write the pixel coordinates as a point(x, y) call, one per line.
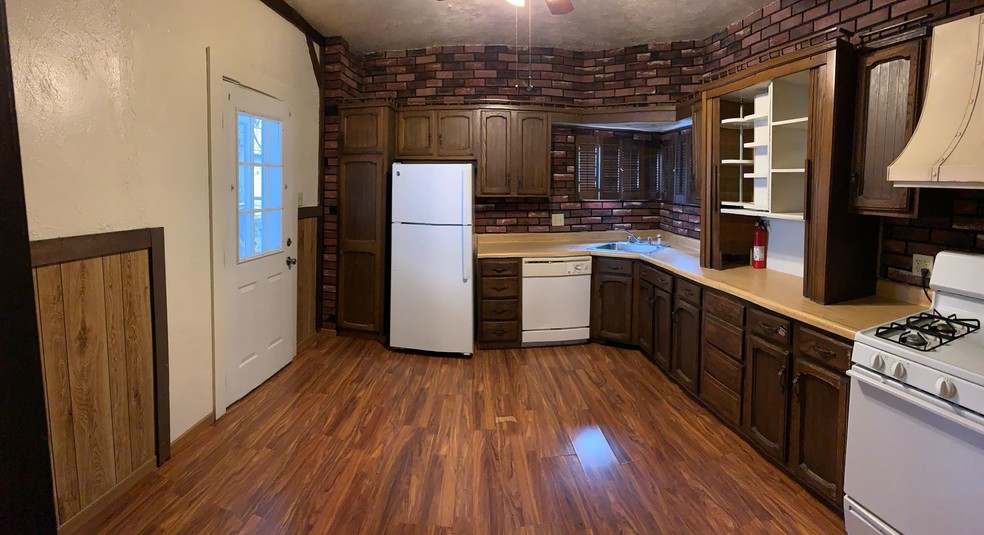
point(259, 211)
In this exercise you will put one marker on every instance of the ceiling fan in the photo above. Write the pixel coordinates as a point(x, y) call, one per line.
point(556, 7)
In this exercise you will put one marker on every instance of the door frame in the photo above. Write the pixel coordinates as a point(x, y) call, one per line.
point(222, 67)
point(27, 496)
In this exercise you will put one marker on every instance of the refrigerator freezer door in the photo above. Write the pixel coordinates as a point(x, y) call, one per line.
point(432, 302)
point(432, 193)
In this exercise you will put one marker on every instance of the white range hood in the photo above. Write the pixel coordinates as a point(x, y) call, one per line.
point(947, 147)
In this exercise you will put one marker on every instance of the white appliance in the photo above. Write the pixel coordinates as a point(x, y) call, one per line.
point(945, 147)
point(556, 300)
point(431, 297)
point(915, 437)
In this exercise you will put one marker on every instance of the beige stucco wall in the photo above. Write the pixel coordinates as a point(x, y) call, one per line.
point(112, 106)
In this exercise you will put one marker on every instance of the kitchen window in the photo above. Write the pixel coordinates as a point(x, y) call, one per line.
point(611, 168)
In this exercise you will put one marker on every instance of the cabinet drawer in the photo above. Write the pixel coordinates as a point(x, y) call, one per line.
point(498, 331)
point(725, 402)
point(688, 291)
point(498, 310)
point(613, 266)
point(724, 337)
point(497, 288)
point(500, 268)
point(822, 348)
point(656, 277)
point(725, 309)
point(769, 327)
point(722, 368)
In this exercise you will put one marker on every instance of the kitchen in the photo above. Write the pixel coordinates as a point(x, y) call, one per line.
point(756, 233)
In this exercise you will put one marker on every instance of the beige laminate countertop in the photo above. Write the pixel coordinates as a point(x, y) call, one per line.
point(779, 292)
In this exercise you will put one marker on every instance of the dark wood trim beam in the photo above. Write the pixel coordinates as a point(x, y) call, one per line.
point(27, 500)
point(292, 16)
point(319, 321)
point(70, 249)
point(162, 385)
point(307, 212)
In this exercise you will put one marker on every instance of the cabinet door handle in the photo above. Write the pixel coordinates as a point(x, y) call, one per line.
point(796, 386)
point(499, 310)
point(500, 288)
point(440, 139)
point(782, 383)
point(499, 270)
point(688, 291)
point(673, 316)
point(615, 268)
point(858, 184)
point(825, 353)
point(508, 180)
point(499, 332)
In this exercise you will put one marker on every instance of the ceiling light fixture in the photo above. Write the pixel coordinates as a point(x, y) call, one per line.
point(517, 3)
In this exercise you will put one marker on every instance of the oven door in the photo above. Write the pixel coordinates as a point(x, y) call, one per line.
point(913, 461)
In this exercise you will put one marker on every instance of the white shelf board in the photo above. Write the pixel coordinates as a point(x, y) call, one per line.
point(799, 170)
point(798, 123)
point(756, 145)
point(762, 213)
point(737, 162)
point(754, 175)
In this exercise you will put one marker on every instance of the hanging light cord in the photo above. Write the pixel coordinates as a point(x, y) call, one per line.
point(516, 48)
point(529, 48)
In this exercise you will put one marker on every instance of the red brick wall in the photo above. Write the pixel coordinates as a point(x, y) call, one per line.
point(958, 224)
point(648, 73)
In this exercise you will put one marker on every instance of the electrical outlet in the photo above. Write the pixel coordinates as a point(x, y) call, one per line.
point(557, 220)
point(920, 262)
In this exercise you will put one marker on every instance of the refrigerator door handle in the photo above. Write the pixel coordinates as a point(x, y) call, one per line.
point(465, 231)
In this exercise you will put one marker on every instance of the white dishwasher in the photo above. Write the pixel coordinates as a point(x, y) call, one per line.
point(556, 300)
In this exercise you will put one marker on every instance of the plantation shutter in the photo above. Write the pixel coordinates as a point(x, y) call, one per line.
point(588, 167)
point(610, 189)
point(667, 166)
point(630, 171)
point(684, 183)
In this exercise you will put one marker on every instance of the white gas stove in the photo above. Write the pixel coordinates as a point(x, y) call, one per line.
point(915, 441)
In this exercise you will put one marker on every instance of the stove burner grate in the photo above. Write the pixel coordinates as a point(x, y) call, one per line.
point(928, 330)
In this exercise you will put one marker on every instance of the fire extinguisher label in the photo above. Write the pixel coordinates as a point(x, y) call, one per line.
point(758, 253)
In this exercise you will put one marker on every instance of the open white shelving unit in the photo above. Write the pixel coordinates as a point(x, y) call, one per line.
point(770, 157)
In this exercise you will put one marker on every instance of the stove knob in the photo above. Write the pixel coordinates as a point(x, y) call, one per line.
point(877, 362)
point(945, 387)
point(898, 370)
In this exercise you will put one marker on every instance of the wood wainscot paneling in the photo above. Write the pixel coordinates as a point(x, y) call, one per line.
point(102, 321)
point(308, 274)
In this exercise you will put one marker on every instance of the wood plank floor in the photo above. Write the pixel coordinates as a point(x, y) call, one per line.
point(352, 438)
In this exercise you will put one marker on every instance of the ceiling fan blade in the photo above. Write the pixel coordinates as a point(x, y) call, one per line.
point(559, 7)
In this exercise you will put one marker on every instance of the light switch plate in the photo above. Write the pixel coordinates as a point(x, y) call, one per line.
point(557, 220)
point(920, 261)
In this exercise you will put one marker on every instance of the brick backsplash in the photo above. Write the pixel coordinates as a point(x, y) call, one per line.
point(655, 73)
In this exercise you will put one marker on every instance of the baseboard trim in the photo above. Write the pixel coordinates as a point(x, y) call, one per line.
point(181, 443)
point(100, 505)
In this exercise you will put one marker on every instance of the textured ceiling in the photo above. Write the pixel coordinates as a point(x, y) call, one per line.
point(374, 25)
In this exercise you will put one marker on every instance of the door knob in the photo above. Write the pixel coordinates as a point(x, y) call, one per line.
point(291, 262)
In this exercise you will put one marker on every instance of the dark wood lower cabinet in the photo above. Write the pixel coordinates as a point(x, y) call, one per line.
point(645, 315)
point(611, 303)
point(818, 427)
point(766, 397)
point(663, 330)
point(686, 344)
point(500, 303)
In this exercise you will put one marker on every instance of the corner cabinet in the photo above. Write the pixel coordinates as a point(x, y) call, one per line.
point(514, 155)
point(445, 134)
point(363, 166)
point(889, 94)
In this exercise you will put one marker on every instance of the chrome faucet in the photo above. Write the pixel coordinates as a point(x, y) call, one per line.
point(632, 237)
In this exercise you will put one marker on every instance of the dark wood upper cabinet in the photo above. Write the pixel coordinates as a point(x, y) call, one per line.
point(364, 130)
point(532, 153)
point(436, 134)
point(514, 159)
point(495, 158)
point(611, 300)
point(415, 133)
point(766, 396)
point(818, 427)
point(889, 81)
point(361, 264)
point(457, 133)
point(686, 342)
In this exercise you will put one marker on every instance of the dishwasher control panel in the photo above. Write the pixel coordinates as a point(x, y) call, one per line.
point(556, 267)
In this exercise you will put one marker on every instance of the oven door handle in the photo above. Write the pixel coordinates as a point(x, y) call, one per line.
point(940, 408)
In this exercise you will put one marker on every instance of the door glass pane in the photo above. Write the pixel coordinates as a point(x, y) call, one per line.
point(260, 184)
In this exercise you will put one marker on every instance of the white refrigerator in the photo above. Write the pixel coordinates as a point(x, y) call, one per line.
point(431, 299)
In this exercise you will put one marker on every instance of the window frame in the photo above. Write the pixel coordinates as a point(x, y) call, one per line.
point(253, 166)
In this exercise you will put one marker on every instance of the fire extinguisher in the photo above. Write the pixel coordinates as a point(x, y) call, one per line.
point(759, 241)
